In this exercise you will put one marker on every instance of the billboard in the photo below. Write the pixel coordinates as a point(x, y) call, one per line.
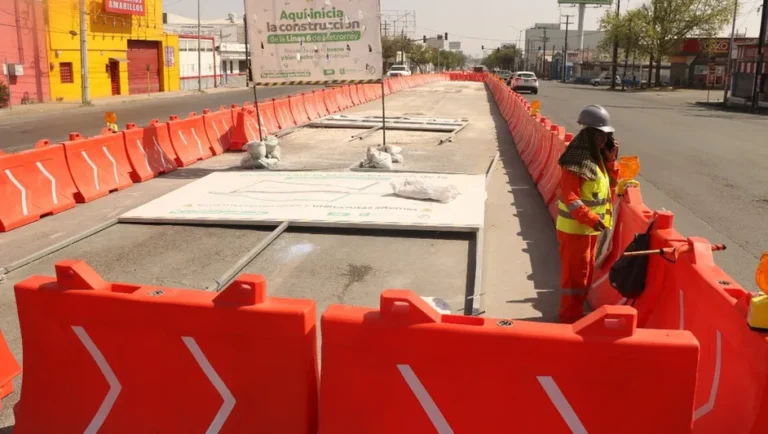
point(314, 41)
point(454, 45)
point(586, 2)
point(128, 7)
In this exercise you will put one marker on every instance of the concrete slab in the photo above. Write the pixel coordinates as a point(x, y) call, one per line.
point(22, 242)
point(317, 199)
point(353, 267)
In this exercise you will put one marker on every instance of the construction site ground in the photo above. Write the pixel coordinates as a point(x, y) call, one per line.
point(520, 271)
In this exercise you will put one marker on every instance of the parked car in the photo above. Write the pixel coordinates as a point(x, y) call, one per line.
point(398, 71)
point(524, 81)
point(605, 80)
point(505, 75)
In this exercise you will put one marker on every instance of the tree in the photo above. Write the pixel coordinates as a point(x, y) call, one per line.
point(628, 30)
point(390, 46)
point(505, 58)
point(658, 26)
point(420, 56)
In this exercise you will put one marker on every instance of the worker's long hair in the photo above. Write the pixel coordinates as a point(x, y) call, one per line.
point(582, 156)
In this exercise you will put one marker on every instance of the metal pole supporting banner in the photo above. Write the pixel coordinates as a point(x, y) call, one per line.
point(383, 114)
point(199, 52)
point(247, 60)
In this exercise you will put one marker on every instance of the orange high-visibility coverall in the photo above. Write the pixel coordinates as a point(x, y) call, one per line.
point(578, 252)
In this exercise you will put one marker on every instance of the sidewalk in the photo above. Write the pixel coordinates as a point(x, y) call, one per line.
point(23, 111)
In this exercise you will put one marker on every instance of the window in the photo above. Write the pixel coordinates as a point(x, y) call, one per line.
point(65, 72)
point(231, 66)
point(241, 66)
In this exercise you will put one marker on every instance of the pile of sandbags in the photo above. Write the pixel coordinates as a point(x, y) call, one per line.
point(382, 157)
point(261, 155)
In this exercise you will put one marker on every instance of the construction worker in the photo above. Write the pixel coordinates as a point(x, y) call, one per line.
point(587, 186)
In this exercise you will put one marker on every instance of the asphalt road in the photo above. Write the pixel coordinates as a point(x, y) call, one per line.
point(20, 134)
point(709, 167)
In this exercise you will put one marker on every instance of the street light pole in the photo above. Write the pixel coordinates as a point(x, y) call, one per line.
point(85, 86)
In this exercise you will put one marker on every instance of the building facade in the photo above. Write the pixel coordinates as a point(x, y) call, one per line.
point(548, 39)
point(744, 73)
point(232, 59)
point(702, 62)
point(23, 52)
point(193, 74)
point(128, 51)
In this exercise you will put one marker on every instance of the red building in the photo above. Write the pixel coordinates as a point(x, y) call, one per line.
point(23, 51)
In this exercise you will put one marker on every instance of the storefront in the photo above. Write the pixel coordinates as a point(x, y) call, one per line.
point(128, 52)
point(701, 62)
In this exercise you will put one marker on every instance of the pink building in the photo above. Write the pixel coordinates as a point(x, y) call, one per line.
point(23, 51)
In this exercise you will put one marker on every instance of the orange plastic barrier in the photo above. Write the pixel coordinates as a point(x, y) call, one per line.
point(539, 165)
point(298, 111)
point(567, 381)
point(269, 121)
point(149, 150)
point(362, 94)
point(218, 128)
point(283, 113)
point(98, 165)
point(106, 357)
point(687, 291)
point(247, 127)
point(34, 184)
point(330, 100)
point(342, 98)
point(354, 95)
point(9, 368)
point(319, 96)
point(310, 105)
point(188, 139)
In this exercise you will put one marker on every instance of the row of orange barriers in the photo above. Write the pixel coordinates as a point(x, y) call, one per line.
point(252, 123)
point(685, 292)
point(52, 178)
point(103, 357)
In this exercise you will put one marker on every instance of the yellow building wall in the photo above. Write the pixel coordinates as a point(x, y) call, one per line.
point(108, 36)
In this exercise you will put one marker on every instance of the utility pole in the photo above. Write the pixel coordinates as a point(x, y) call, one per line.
point(85, 87)
point(731, 47)
point(248, 71)
point(615, 49)
point(565, 47)
point(544, 41)
point(760, 57)
point(199, 53)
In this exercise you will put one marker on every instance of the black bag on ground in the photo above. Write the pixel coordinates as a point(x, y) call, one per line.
point(628, 273)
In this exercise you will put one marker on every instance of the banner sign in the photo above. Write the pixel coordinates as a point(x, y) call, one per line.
point(314, 41)
point(586, 2)
point(128, 7)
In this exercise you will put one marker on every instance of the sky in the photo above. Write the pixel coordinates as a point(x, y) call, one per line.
point(475, 23)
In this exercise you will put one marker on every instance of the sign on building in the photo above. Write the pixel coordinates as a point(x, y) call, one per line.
point(129, 7)
point(314, 42)
point(586, 2)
